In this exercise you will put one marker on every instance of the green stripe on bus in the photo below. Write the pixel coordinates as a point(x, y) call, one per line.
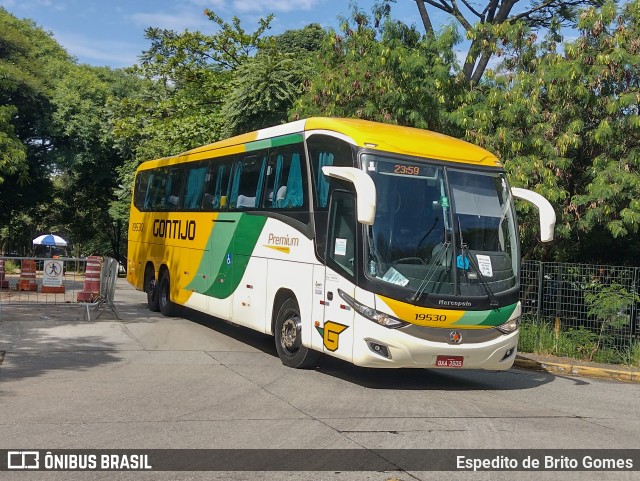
point(286, 140)
point(275, 142)
point(495, 317)
point(258, 145)
point(232, 252)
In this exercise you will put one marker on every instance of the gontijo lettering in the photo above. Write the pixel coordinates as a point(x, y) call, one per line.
point(174, 229)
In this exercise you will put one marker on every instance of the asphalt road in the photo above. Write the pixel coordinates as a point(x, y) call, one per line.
point(150, 382)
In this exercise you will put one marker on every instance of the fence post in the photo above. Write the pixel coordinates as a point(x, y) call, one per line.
point(634, 321)
point(539, 303)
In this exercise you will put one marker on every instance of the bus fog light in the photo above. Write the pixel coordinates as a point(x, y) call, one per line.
point(379, 349)
point(508, 354)
point(509, 326)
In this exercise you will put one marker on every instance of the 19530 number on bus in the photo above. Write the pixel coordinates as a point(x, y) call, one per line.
point(431, 317)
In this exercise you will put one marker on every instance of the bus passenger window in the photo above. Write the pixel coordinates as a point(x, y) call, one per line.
point(248, 181)
point(156, 187)
point(140, 191)
point(217, 185)
point(287, 179)
point(173, 190)
point(195, 186)
point(325, 150)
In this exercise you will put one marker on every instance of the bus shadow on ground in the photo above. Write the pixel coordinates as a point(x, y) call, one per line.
point(393, 379)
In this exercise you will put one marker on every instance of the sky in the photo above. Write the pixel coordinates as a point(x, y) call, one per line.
point(111, 32)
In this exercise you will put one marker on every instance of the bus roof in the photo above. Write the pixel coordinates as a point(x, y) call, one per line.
point(363, 133)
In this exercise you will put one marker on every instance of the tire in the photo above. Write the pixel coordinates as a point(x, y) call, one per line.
point(288, 338)
point(167, 308)
point(151, 288)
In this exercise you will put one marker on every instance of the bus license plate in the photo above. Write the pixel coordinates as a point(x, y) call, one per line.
point(449, 361)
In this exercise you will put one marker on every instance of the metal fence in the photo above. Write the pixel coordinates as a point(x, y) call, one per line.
point(24, 281)
point(595, 305)
point(73, 280)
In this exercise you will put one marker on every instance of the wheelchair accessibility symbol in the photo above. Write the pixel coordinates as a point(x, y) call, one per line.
point(228, 259)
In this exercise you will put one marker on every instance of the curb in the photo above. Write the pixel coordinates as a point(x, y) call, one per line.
point(578, 370)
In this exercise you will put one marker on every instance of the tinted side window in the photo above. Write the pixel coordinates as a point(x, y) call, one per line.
point(286, 178)
point(217, 184)
point(247, 183)
point(140, 189)
point(325, 150)
point(342, 232)
point(156, 188)
point(173, 189)
point(194, 185)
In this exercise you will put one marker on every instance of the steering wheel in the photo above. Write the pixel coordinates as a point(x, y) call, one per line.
point(412, 259)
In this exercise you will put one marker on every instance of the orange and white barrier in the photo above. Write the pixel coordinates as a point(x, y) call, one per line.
point(4, 284)
point(91, 290)
point(27, 280)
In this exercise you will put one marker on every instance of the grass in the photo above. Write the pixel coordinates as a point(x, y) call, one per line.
point(577, 343)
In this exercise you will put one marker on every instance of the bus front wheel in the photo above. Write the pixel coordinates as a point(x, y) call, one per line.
point(167, 307)
point(288, 337)
point(151, 288)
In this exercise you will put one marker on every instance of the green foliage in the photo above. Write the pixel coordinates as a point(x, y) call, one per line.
point(264, 89)
point(564, 123)
point(581, 343)
point(387, 73)
point(12, 152)
point(30, 64)
point(306, 40)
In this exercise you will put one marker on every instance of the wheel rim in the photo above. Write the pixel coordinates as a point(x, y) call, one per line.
point(164, 294)
point(290, 334)
point(151, 288)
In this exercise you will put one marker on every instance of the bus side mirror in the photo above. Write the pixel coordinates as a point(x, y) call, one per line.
point(365, 190)
point(545, 210)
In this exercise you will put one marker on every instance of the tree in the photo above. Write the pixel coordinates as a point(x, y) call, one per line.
point(184, 82)
point(485, 24)
point(387, 73)
point(566, 124)
point(31, 62)
point(266, 86)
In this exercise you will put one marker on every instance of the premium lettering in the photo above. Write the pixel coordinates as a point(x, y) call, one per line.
point(283, 240)
point(174, 229)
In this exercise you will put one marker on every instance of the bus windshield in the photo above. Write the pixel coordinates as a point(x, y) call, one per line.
point(441, 230)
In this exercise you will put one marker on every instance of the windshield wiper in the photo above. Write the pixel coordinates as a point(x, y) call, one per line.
point(493, 301)
point(430, 273)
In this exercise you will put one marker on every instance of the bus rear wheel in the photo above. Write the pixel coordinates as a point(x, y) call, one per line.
point(151, 288)
point(288, 337)
point(167, 308)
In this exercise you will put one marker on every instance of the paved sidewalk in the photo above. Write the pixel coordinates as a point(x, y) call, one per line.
point(575, 367)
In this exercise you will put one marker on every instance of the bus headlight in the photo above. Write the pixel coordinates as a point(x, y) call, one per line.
point(509, 326)
point(376, 316)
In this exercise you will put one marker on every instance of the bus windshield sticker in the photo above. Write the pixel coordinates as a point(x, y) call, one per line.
point(341, 247)
point(484, 263)
point(394, 277)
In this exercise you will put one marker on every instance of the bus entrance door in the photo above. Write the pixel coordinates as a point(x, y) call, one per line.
point(339, 275)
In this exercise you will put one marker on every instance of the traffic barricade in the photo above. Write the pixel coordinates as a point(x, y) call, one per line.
point(91, 290)
point(4, 283)
point(27, 280)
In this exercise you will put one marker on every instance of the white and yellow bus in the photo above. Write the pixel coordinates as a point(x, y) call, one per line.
point(381, 245)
